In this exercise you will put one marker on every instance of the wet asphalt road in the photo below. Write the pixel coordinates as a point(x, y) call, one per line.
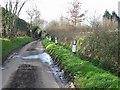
point(18, 75)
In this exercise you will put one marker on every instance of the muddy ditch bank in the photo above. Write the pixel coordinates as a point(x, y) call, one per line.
point(64, 76)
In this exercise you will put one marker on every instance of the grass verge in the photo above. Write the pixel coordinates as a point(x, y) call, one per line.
point(8, 46)
point(84, 74)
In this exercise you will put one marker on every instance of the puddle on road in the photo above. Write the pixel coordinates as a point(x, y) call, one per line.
point(44, 57)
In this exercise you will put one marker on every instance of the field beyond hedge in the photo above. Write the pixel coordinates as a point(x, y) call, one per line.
point(84, 74)
point(8, 45)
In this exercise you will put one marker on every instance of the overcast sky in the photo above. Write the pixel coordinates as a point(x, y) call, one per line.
point(53, 9)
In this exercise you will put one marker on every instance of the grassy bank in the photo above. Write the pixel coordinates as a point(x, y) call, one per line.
point(8, 45)
point(83, 73)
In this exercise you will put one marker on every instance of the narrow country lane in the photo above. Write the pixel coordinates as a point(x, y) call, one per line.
point(24, 71)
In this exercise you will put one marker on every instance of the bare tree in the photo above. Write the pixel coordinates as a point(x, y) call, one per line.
point(30, 14)
point(34, 16)
point(36, 19)
point(76, 16)
point(10, 13)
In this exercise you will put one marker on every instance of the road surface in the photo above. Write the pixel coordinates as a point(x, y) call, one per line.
point(21, 72)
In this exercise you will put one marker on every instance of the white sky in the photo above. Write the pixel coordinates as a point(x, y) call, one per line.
point(53, 9)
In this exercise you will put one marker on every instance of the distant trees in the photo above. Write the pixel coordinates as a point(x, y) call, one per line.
point(107, 15)
point(34, 16)
point(36, 23)
point(111, 20)
point(112, 16)
point(115, 16)
point(76, 15)
point(9, 16)
point(33, 13)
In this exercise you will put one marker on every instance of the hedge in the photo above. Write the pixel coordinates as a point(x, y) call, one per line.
point(84, 74)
